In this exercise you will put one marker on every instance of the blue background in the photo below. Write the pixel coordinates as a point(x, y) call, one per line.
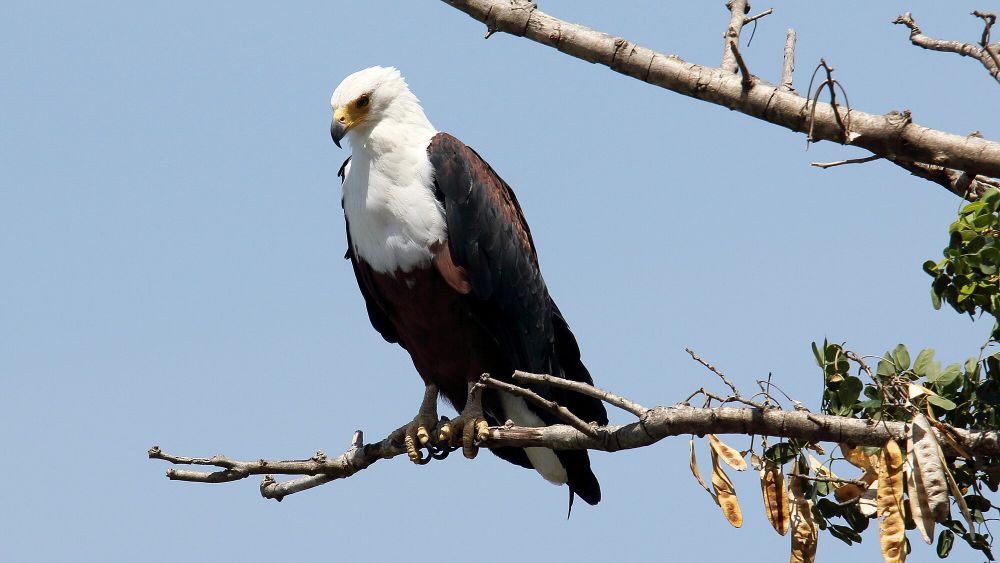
point(171, 268)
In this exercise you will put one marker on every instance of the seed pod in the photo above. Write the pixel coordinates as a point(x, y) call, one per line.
point(931, 467)
point(867, 503)
point(697, 474)
point(847, 492)
point(772, 485)
point(805, 533)
point(956, 491)
point(916, 493)
point(926, 481)
point(856, 456)
point(731, 456)
point(892, 529)
point(725, 493)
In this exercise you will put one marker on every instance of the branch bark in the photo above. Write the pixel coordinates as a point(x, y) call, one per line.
point(984, 53)
point(894, 135)
point(653, 425)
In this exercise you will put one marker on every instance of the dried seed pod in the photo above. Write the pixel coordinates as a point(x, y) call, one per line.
point(816, 447)
point(805, 533)
point(697, 474)
point(930, 462)
point(956, 491)
point(867, 504)
point(847, 492)
point(892, 529)
point(725, 493)
point(772, 485)
point(730, 455)
point(916, 493)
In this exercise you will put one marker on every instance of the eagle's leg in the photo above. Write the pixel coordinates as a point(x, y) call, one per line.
point(472, 423)
point(416, 434)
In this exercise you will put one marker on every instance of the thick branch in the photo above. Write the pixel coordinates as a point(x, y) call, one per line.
point(982, 53)
point(892, 135)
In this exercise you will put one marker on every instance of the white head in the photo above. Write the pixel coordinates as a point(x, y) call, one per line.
point(370, 97)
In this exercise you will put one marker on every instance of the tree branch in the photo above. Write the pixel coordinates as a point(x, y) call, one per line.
point(983, 53)
point(891, 135)
point(654, 425)
point(788, 62)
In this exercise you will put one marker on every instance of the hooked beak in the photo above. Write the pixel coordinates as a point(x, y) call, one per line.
point(337, 131)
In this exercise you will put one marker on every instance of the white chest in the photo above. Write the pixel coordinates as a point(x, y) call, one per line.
point(391, 210)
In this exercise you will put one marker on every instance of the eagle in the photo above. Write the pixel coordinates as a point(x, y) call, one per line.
point(448, 270)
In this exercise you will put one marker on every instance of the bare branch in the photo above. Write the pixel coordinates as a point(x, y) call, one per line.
point(863, 160)
point(747, 77)
point(788, 62)
point(555, 408)
point(735, 397)
point(752, 19)
point(892, 134)
point(955, 181)
point(982, 53)
point(655, 424)
point(738, 10)
point(589, 390)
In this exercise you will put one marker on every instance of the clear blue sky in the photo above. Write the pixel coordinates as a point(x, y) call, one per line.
point(171, 243)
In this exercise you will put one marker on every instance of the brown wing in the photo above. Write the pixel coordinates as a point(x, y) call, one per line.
point(489, 239)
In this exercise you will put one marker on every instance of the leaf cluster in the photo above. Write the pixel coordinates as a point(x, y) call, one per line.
point(968, 277)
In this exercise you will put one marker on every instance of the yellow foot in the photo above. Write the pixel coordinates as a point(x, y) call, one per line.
point(474, 427)
point(417, 434)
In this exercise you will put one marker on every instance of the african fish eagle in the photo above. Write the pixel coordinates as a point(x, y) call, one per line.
point(448, 270)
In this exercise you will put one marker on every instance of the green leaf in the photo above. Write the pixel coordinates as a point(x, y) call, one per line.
point(941, 402)
point(819, 357)
point(925, 359)
point(947, 376)
point(781, 453)
point(901, 357)
point(849, 391)
point(885, 368)
point(946, 539)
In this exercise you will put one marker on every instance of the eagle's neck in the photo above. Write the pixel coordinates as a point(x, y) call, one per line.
point(389, 199)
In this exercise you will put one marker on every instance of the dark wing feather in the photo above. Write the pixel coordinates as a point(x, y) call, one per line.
point(488, 236)
point(376, 306)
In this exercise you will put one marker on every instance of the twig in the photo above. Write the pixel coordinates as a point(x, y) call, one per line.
point(825, 165)
point(555, 408)
point(822, 479)
point(736, 396)
point(589, 390)
point(982, 53)
point(989, 18)
point(830, 83)
point(713, 369)
point(747, 78)
point(788, 62)
point(765, 13)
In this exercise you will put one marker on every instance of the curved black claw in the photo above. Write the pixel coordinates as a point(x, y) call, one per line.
point(440, 452)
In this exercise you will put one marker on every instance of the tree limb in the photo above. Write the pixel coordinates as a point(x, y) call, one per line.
point(892, 135)
point(654, 425)
point(982, 53)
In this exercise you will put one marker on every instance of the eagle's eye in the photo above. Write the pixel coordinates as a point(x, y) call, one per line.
point(362, 101)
